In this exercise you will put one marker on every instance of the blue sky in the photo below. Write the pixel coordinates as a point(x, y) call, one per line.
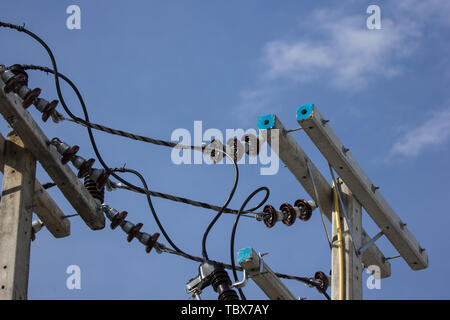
point(151, 67)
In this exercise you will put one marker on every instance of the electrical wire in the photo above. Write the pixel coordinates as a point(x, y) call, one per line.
point(233, 189)
point(86, 116)
point(256, 215)
point(87, 123)
point(140, 138)
point(233, 231)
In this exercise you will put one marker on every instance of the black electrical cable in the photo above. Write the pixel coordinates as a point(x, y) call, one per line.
point(233, 232)
point(155, 216)
point(236, 180)
point(60, 96)
point(86, 122)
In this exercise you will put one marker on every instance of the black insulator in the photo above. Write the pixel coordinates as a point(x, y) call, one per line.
point(91, 187)
point(221, 283)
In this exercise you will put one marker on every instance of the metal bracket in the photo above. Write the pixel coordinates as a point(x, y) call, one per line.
point(242, 283)
point(371, 242)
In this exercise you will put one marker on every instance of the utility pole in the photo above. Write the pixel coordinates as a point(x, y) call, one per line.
point(15, 219)
point(22, 193)
point(353, 267)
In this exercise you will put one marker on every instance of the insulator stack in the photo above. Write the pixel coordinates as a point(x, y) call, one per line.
point(68, 153)
point(221, 283)
point(92, 188)
point(133, 231)
point(16, 80)
point(302, 209)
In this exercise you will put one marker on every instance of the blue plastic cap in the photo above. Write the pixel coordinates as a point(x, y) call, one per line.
point(304, 111)
point(244, 254)
point(266, 122)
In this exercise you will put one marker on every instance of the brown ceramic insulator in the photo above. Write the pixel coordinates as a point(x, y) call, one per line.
point(30, 97)
point(271, 217)
point(49, 109)
point(151, 243)
point(18, 69)
point(305, 209)
point(134, 231)
point(319, 275)
point(247, 141)
point(118, 219)
point(91, 187)
point(69, 153)
point(289, 214)
point(85, 168)
point(101, 181)
point(18, 79)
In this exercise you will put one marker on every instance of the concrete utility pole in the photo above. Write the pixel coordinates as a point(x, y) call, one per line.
point(15, 219)
point(22, 193)
point(353, 267)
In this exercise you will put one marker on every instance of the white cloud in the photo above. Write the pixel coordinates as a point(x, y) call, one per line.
point(434, 131)
point(343, 51)
point(253, 102)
